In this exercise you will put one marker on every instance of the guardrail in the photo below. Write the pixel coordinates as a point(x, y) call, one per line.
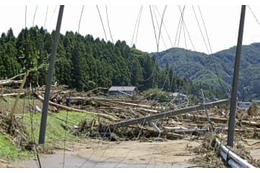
point(231, 158)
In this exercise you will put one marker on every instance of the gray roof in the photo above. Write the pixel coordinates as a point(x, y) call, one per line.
point(122, 88)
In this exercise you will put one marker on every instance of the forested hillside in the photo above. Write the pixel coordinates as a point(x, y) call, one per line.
point(84, 63)
point(204, 68)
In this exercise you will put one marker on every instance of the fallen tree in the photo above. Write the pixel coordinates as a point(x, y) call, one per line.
point(11, 95)
point(105, 116)
point(9, 82)
point(225, 120)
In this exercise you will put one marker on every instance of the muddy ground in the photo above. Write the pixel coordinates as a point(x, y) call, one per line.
point(128, 154)
point(96, 154)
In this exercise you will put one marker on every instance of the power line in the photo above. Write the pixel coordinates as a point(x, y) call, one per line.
point(155, 35)
point(109, 25)
point(138, 24)
point(157, 23)
point(210, 53)
point(136, 28)
point(205, 30)
point(82, 10)
point(65, 139)
point(257, 21)
point(35, 12)
point(100, 17)
point(179, 25)
point(164, 26)
point(25, 18)
point(156, 40)
point(160, 29)
point(135, 34)
point(200, 30)
point(47, 11)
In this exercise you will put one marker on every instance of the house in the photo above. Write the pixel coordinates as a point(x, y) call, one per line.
point(119, 90)
point(244, 105)
point(179, 97)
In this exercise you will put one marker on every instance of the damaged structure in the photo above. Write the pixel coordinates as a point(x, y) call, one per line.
point(125, 90)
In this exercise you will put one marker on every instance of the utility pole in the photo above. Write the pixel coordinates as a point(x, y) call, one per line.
point(233, 101)
point(49, 78)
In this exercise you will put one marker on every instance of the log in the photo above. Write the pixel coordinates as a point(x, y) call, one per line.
point(224, 120)
point(243, 129)
point(135, 108)
point(105, 116)
point(111, 101)
point(168, 135)
point(11, 95)
point(9, 82)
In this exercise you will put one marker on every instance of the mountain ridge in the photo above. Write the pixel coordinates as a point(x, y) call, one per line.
point(201, 67)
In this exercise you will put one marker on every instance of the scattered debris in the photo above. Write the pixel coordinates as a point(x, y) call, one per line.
point(191, 123)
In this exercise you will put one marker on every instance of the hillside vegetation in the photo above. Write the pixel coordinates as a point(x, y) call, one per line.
point(84, 63)
point(199, 67)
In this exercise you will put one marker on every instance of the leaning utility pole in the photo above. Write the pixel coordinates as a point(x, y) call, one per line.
point(233, 101)
point(49, 78)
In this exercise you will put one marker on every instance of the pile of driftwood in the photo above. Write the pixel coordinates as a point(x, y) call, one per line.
point(115, 109)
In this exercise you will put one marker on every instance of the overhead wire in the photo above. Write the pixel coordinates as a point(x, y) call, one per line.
point(34, 16)
point(178, 33)
point(105, 150)
point(210, 54)
point(252, 12)
point(25, 19)
point(35, 151)
point(82, 10)
point(102, 23)
point(136, 28)
point(158, 26)
point(185, 27)
point(46, 15)
point(202, 35)
point(141, 125)
point(154, 30)
point(54, 11)
point(155, 35)
point(165, 28)
point(108, 24)
point(138, 25)
point(179, 25)
point(65, 139)
point(135, 36)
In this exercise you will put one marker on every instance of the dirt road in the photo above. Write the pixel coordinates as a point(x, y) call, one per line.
point(97, 154)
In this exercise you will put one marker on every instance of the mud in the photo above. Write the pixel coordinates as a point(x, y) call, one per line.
point(127, 154)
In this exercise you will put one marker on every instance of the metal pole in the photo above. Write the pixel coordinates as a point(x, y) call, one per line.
point(233, 101)
point(166, 114)
point(49, 78)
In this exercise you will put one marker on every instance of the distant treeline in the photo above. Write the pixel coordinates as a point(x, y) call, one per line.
point(84, 63)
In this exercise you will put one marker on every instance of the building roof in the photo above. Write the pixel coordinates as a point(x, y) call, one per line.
point(122, 88)
point(176, 94)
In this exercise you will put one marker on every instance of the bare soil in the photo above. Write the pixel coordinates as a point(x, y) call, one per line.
point(95, 153)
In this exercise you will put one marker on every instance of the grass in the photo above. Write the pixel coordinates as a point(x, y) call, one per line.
point(55, 130)
point(22, 107)
point(56, 126)
point(10, 151)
